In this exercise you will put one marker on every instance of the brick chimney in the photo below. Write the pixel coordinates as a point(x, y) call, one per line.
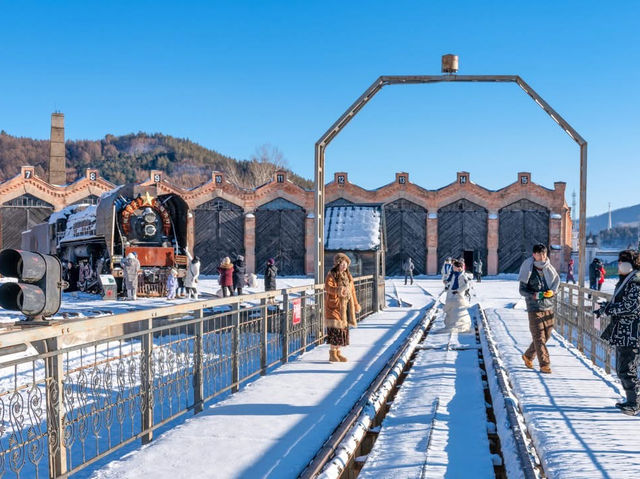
point(57, 166)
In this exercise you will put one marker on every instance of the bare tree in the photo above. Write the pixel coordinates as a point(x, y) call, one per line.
point(265, 161)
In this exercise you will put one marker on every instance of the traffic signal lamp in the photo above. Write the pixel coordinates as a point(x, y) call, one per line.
point(38, 292)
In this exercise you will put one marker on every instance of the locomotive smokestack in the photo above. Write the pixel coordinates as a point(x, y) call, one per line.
point(57, 167)
point(449, 63)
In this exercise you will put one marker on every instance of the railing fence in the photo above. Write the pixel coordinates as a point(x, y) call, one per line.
point(85, 388)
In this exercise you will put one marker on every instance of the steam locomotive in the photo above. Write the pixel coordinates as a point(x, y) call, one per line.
point(92, 240)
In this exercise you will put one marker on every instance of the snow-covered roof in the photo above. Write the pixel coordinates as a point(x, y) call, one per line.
point(353, 227)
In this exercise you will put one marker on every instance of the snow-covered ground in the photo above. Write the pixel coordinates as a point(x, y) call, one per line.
point(570, 414)
point(274, 426)
point(437, 425)
point(79, 305)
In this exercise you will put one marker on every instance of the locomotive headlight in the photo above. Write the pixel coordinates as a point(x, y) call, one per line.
point(149, 230)
point(149, 216)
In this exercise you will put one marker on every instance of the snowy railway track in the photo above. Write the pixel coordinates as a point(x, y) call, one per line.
point(346, 451)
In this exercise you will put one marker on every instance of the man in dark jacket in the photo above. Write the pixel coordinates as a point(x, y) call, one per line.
point(239, 272)
point(270, 274)
point(477, 270)
point(624, 329)
point(408, 268)
point(539, 283)
point(594, 273)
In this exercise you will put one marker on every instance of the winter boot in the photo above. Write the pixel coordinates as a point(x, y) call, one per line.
point(527, 362)
point(333, 356)
point(631, 402)
point(545, 369)
point(630, 409)
point(341, 358)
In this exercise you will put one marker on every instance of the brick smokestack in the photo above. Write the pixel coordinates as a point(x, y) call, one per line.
point(57, 166)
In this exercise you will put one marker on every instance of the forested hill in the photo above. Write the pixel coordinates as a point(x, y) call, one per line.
point(128, 158)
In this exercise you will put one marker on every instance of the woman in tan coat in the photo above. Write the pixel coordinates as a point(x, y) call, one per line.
point(340, 306)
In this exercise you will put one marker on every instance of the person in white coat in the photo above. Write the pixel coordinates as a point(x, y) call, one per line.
point(191, 279)
point(455, 309)
point(131, 268)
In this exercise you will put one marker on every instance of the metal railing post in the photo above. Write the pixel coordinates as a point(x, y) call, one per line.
point(581, 320)
point(303, 320)
point(146, 383)
point(198, 365)
point(264, 336)
point(55, 411)
point(235, 358)
point(284, 327)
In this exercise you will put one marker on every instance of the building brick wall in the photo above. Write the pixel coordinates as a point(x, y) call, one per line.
point(340, 187)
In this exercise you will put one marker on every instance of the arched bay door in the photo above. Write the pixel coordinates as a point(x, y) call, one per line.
point(219, 232)
point(521, 225)
point(20, 214)
point(280, 232)
point(406, 224)
point(462, 233)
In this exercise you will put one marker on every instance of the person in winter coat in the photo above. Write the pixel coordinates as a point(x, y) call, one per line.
point(239, 274)
point(408, 267)
point(455, 308)
point(623, 331)
point(539, 282)
point(447, 268)
point(601, 278)
point(226, 277)
point(270, 274)
point(172, 284)
point(191, 279)
point(341, 306)
point(130, 269)
point(477, 270)
point(594, 273)
point(570, 277)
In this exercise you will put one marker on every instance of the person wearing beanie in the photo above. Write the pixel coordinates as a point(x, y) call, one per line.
point(341, 306)
point(623, 330)
point(539, 283)
point(456, 312)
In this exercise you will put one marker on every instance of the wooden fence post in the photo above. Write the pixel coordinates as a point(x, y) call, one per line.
point(303, 319)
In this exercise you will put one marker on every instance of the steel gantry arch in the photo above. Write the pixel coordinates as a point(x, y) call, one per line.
point(376, 86)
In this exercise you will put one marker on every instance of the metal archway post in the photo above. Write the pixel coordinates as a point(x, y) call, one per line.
point(352, 111)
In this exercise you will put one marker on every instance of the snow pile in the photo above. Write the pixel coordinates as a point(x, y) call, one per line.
point(81, 225)
point(352, 227)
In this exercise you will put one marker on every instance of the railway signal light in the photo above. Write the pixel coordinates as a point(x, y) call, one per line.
point(38, 292)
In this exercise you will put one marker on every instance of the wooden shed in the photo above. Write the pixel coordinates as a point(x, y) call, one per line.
point(358, 231)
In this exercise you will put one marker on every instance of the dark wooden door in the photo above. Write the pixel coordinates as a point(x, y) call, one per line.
point(21, 214)
point(462, 226)
point(406, 235)
point(521, 225)
point(280, 231)
point(219, 232)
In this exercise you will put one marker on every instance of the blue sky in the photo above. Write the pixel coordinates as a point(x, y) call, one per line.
point(236, 75)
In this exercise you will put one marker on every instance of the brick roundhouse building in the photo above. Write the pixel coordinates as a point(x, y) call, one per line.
point(276, 219)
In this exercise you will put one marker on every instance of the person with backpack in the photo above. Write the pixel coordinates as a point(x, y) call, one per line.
point(623, 331)
point(539, 282)
point(594, 274)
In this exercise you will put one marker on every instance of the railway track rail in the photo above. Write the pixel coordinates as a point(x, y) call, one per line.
point(345, 452)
